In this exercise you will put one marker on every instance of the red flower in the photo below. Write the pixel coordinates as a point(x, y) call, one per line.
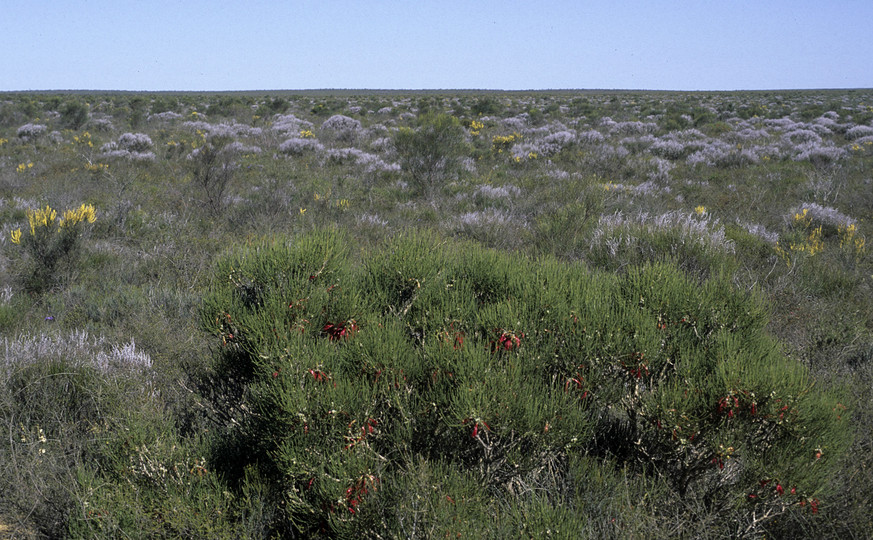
point(779, 489)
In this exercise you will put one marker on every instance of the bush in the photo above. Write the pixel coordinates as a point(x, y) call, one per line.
point(502, 372)
point(431, 153)
point(51, 243)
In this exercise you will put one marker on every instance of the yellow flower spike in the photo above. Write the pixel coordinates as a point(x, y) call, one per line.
point(700, 210)
point(16, 236)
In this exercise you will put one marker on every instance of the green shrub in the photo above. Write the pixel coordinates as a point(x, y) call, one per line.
point(51, 243)
point(503, 369)
point(431, 153)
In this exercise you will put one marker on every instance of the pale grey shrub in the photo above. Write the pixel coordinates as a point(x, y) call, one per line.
point(370, 162)
point(288, 123)
point(297, 146)
point(858, 132)
point(634, 128)
point(817, 153)
point(236, 147)
point(165, 116)
point(30, 131)
point(721, 154)
point(616, 229)
point(668, 148)
point(760, 231)
point(77, 348)
point(342, 128)
point(590, 137)
point(102, 124)
point(638, 144)
point(372, 220)
point(134, 142)
point(823, 215)
point(502, 192)
point(796, 136)
point(661, 172)
point(516, 123)
point(747, 134)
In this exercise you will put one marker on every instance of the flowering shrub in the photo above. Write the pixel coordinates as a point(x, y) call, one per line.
point(50, 241)
point(487, 364)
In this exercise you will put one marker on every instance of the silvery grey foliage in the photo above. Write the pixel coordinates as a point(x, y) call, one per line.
point(615, 229)
point(824, 215)
point(384, 110)
point(718, 153)
point(288, 123)
point(590, 137)
point(858, 132)
point(469, 164)
point(102, 124)
point(296, 146)
point(502, 192)
point(633, 128)
point(515, 123)
point(237, 147)
point(30, 131)
point(134, 142)
point(746, 135)
point(489, 216)
point(818, 153)
point(372, 220)
point(637, 144)
point(56, 137)
point(370, 162)
point(77, 348)
point(341, 124)
point(760, 231)
point(661, 172)
point(796, 136)
point(165, 116)
point(6, 292)
point(668, 148)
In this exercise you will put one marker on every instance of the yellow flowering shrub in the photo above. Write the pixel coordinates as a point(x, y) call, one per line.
point(52, 240)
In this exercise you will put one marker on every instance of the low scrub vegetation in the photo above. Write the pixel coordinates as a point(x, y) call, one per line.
point(501, 315)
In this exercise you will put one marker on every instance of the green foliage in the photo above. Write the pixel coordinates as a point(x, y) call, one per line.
point(430, 154)
point(212, 170)
point(494, 364)
point(74, 114)
point(51, 244)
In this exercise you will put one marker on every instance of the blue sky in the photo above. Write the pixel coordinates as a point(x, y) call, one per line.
point(511, 45)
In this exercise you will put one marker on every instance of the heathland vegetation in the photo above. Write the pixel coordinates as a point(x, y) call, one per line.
point(436, 315)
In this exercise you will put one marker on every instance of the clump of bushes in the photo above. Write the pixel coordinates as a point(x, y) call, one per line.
point(506, 375)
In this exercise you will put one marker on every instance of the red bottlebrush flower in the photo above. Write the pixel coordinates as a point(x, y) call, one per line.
point(275, 374)
point(731, 413)
point(793, 490)
point(814, 506)
point(780, 490)
point(752, 496)
point(475, 430)
point(754, 409)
